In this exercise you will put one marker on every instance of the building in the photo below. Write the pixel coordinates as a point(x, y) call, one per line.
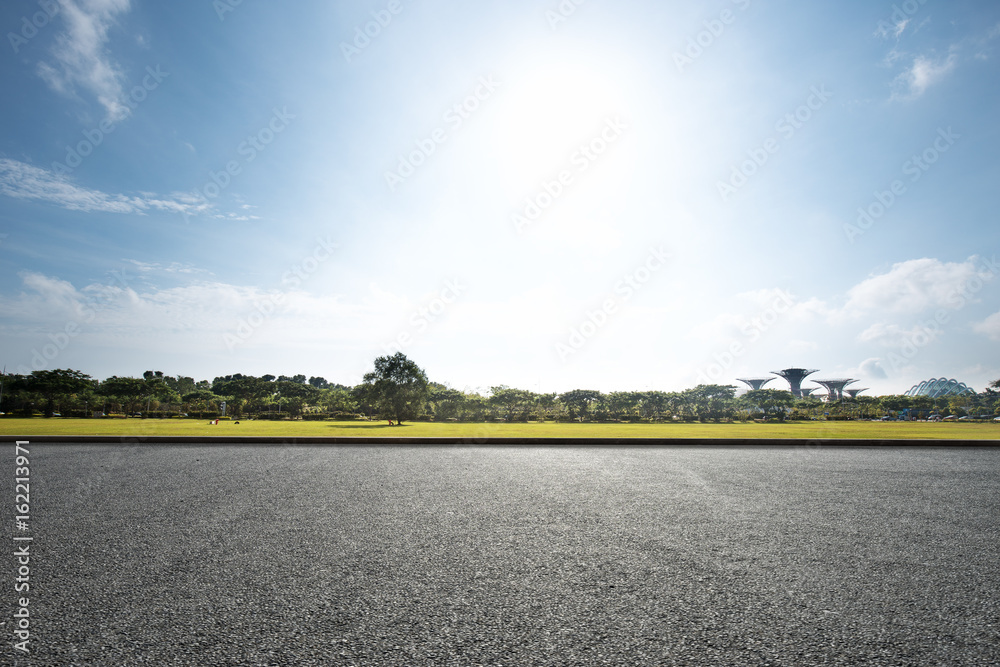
point(938, 387)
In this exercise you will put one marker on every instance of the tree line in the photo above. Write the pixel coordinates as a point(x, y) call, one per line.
point(397, 389)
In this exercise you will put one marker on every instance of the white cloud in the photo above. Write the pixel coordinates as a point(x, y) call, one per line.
point(912, 287)
point(201, 313)
point(872, 368)
point(894, 30)
point(894, 335)
point(80, 57)
point(892, 57)
point(747, 315)
point(157, 267)
point(922, 74)
point(990, 327)
point(25, 181)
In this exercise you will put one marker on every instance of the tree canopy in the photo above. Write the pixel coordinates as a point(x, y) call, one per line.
point(397, 386)
point(771, 402)
point(50, 384)
point(398, 389)
point(579, 401)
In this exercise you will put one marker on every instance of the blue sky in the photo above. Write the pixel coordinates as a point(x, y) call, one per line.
point(630, 195)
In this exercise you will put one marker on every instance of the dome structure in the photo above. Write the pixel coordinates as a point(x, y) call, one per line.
point(937, 387)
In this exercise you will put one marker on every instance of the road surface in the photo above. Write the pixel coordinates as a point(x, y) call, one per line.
point(480, 555)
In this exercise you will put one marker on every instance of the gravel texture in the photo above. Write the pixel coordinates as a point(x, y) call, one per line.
point(483, 555)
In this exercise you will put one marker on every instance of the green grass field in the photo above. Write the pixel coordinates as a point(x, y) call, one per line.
point(806, 430)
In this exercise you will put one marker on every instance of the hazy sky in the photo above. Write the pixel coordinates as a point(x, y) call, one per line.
point(628, 195)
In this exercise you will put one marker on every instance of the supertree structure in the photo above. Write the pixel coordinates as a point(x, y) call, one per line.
point(835, 388)
point(755, 383)
point(794, 377)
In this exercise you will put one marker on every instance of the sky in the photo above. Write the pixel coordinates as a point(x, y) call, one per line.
point(545, 195)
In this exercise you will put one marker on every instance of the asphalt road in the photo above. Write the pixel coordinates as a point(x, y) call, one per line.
point(313, 555)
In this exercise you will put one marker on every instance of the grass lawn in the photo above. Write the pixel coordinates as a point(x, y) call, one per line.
point(197, 427)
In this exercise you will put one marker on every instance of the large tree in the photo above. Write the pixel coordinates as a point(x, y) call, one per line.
point(772, 402)
point(128, 391)
point(159, 388)
point(200, 400)
point(397, 386)
point(295, 396)
point(240, 390)
point(181, 384)
point(511, 402)
point(579, 400)
point(337, 400)
point(245, 387)
point(448, 403)
point(623, 403)
point(61, 382)
point(710, 401)
point(655, 403)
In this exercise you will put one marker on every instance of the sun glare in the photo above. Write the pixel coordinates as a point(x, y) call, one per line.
point(546, 115)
